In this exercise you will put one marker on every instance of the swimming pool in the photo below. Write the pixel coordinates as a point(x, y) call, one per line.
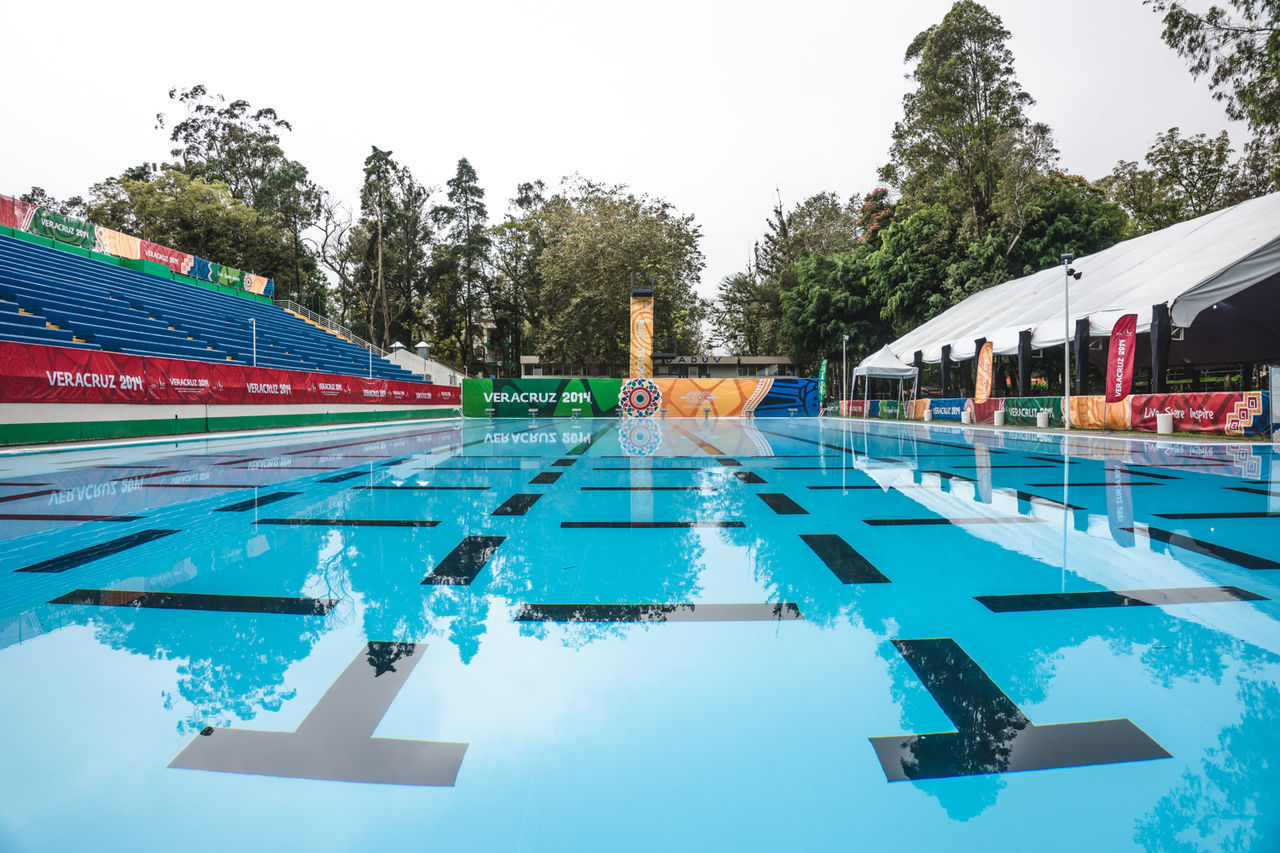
point(639, 635)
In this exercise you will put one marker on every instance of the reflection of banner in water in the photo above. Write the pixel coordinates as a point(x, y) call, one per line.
point(642, 334)
point(982, 472)
point(639, 436)
point(1119, 503)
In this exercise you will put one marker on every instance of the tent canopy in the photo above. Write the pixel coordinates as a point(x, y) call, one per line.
point(1191, 266)
point(885, 364)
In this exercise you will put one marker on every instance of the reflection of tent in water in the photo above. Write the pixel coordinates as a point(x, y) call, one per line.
point(885, 365)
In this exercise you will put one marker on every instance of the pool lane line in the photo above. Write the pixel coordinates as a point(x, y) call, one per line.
point(1179, 516)
point(96, 552)
point(348, 475)
point(350, 522)
point(679, 612)
point(257, 501)
point(914, 522)
point(25, 495)
point(420, 488)
point(843, 559)
point(992, 733)
point(649, 488)
point(545, 478)
point(201, 485)
point(461, 565)
point(781, 504)
point(286, 605)
point(1248, 491)
point(1115, 598)
point(646, 525)
point(1095, 484)
point(1199, 546)
point(48, 516)
point(517, 504)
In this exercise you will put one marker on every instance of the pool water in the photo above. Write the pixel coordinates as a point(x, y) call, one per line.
point(636, 635)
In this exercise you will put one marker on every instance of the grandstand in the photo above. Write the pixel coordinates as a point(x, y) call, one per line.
point(58, 298)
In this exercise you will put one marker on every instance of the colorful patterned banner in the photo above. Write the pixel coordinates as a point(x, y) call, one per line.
point(1022, 411)
point(16, 214)
point(1232, 413)
point(172, 258)
point(118, 245)
point(731, 398)
point(641, 337)
point(982, 387)
point(67, 229)
point(1120, 358)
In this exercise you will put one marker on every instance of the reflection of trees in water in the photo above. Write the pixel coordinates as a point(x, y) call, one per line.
point(1229, 802)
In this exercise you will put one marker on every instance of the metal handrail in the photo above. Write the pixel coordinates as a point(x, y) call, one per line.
point(290, 305)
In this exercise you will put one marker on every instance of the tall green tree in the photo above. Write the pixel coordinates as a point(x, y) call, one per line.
point(965, 101)
point(516, 282)
point(462, 257)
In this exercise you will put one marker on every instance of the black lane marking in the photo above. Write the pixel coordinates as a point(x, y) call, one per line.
point(654, 468)
point(422, 488)
point(1057, 461)
point(781, 504)
point(1115, 598)
point(728, 462)
point(461, 565)
point(563, 463)
point(37, 516)
point(866, 487)
point(235, 461)
point(199, 601)
point(223, 486)
point(546, 478)
point(649, 488)
point(764, 612)
point(24, 485)
point(1190, 515)
point(283, 468)
point(96, 552)
point(805, 468)
point(255, 502)
point(351, 522)
point(975, 465)
point(469, 468)
point(391, 463)
point(581, 448)
point(1249, 491)
point(342, 478)
point(646, 525)
point(992, 734)
point(750, 477)
point(895, 522)
point(1036, 499)
point(841, 558)
point(948, 475)
point(1133, 470)
point(517, 504)
point(1074, 485)
point(25, 495)
point(1199, 546)
point(336, 741)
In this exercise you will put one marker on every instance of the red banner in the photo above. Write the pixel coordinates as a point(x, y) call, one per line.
point(15, 214)
point(1120, 358)
point(46, 374)
point(41, 374)
point(163, 255)
point(1191, 412)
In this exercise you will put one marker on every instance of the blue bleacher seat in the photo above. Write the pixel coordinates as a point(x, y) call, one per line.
point(101, 306)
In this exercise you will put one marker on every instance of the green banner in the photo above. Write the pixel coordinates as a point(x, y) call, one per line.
point(226, 276)
point(66, 229)
point(822, 381)
point(513, 398)
point(889, 410)
point(1022, 411)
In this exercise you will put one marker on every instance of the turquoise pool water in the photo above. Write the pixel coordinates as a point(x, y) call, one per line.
point(603, 635)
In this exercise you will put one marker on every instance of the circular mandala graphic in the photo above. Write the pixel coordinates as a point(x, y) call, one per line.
point(639, 437)
point(639, 398)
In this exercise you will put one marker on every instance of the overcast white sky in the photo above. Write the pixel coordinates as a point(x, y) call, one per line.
point(710, 105)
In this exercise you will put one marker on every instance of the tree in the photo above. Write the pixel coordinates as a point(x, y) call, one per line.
point(910, 267)
point(597, 239)
point(945, 148)
point(831, 299)
point(1238, 47)
point(463, 256)
point(516, 284)
point(74, 206)
point(748, 314)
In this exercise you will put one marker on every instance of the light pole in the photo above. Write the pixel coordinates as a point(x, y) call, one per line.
point(844, 361)
point(253, 324)
point(423, 348)
point(1066, 338)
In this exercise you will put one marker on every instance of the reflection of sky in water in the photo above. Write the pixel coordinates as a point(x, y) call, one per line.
point(687, 735)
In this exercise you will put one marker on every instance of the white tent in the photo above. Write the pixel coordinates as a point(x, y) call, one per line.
point(884, 364)
point(1205, 263)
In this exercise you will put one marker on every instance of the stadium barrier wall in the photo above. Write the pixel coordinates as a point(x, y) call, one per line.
point(1217, 413)
point(35, 373)
point(681, 398)
point(50, 228)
